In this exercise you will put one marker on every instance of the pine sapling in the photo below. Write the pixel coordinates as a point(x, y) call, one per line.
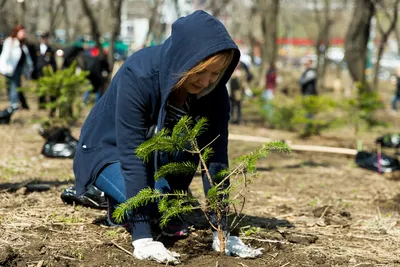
point(223, 200)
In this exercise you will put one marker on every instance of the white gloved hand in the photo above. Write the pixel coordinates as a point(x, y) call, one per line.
point(236, 247)
point(147, 249)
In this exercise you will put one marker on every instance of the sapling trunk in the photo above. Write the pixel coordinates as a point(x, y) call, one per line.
point(219, 214)
point(222, 239)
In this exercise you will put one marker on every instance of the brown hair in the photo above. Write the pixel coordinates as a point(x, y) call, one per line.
point(15, 31)
point(227, 55)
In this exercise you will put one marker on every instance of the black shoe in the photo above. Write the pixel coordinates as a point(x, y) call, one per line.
point(93, 197)
point(176, 227)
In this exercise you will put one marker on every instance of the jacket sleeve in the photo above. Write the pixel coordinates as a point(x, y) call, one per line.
point(5, 57)
point(131, 128)
point(308, 76)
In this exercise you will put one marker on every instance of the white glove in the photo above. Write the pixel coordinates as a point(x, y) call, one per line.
point(147, 249)
point(236, 247)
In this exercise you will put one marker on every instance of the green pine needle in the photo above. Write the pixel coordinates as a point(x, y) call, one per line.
point(176, 169)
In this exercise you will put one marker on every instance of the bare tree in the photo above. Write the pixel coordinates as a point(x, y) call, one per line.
point(3, 18)
point(177, 9)
point(269, 28)
point(67, 21)
point(34, 16)
point(154, 21)
point(22, 15)
point(324, 23)
point(357, 38)
point(116, 14)
point(217, 7)
point(384, 33)
point(95, 31)
point(54, 10)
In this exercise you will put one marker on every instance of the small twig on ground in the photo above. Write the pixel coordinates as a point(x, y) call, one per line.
point(121, 248)
point(242, 264)
point(323, 213)
point(40, 264)
point(286, 264)
point(66, 258)
point(379, 213)
point(264, 240)
point(273, 255)
point(216, 264)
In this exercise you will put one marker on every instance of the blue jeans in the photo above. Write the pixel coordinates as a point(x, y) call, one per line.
point(268, 96)
point(86, 96)
point(13, 83)
point(112, 183)
point(395, 99)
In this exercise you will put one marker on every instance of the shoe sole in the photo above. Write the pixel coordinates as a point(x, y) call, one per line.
point(176, 234)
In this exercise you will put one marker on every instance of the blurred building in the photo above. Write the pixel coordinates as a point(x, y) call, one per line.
point(135, 15)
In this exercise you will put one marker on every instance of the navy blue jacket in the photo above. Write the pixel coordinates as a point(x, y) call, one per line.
point(136, 99)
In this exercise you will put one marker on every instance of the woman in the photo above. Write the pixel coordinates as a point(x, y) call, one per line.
point(15, 61)
point(153, 89)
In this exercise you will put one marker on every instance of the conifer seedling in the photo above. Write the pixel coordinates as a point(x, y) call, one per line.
point(223, 200)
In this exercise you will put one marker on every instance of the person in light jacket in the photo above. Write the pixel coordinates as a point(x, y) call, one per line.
point(15, 61)
point(152, 90)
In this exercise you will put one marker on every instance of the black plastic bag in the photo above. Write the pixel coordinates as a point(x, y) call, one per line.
point(93, 197)
point(5, 116)
point(369, 161)
point(389, 140)
point(59, 143)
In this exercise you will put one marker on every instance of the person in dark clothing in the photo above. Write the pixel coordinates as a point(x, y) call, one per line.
point(44, 57)
point(15, 61)
point(154, 87)
point(396, 96)
point(308, 80)
point(238, 85)
point(99, 71)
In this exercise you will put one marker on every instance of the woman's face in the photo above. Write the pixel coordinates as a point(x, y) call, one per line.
point(196, 83)
point(21, 34)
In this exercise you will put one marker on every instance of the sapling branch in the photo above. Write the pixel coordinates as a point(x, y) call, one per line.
point(218, 204)
point(209, 143)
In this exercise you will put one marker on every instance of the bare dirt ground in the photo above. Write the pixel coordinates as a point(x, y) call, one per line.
point(306, 209)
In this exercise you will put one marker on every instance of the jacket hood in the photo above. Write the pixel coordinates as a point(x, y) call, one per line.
point(194, 38)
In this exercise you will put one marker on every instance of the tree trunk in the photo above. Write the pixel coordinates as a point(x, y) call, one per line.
point(384, 38)
point(54, 10)
point(3, 17)
point(66, 21)
point(93, 25)
point(21, 19)
point(269, 26)
point(153, 21)
point(357, 38)
point(323, 39)
point(397, 36)
point(34, 17)
point(216, 7)
point(116, 13)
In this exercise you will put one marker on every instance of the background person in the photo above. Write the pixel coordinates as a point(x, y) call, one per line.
point(15, 61)
point(396, 96)
point(44, 57)
point(308, 79)
point(237, 86)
